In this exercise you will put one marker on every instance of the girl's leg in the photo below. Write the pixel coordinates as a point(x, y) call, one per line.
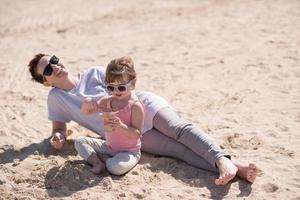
point(122, 162)
point(155, 142)
point(169, 123)
point(88, 148)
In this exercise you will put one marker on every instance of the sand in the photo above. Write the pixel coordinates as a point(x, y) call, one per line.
point(229, 66)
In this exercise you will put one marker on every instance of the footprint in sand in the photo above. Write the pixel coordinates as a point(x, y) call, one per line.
point(284, 151)
point(255, 142)
point(236, 141)
point(282, 127)
point(270, 188)
point(140, 194)
point(107, 182)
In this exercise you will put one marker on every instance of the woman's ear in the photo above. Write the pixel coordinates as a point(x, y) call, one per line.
point(45, 83)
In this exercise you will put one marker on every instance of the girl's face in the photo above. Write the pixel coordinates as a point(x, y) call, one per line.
point(120, 90)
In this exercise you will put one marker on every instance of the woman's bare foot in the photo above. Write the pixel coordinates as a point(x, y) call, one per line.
point(98, 165)
point(247, 172)
point(227, 171)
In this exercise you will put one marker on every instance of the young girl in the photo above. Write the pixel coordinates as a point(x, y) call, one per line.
point(123, 117)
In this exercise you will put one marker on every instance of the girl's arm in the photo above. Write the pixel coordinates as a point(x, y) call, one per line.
point(90, 106)
point(137, 119)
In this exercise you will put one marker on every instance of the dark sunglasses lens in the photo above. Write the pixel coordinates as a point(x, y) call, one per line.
point(122, 88)
point(110, 88)
point(54, 60)
point(48, 71)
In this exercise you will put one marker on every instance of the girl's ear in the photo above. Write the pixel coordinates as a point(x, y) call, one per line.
point(133, 82)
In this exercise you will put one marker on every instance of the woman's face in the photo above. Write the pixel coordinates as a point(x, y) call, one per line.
point(55, 77)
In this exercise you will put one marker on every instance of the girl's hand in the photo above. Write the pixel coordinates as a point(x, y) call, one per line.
point(103, 103)
point(112, 122)
point(58, 140)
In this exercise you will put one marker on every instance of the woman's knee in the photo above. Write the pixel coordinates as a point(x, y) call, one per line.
point(182, 128)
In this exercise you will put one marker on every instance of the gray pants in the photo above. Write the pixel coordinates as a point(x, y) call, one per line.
point(119, 163)
point(172, 136)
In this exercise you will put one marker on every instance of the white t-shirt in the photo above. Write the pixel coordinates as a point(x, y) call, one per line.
point(64, 106)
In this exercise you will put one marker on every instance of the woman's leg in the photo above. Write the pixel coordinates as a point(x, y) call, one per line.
point(169, 123)
point(155, 142)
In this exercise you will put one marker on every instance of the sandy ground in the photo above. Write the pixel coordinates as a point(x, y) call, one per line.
point(229, 66)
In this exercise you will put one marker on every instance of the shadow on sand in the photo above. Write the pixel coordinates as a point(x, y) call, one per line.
point(9, 154)
point(73, 176)
point(194, 177)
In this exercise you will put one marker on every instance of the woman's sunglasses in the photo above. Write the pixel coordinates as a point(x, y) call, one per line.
point(48, 69)
point(120, 88)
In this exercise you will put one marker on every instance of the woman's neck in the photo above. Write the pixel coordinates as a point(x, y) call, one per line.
point(70, 83)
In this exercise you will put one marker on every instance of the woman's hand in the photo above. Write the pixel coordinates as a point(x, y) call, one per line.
point(58, 140)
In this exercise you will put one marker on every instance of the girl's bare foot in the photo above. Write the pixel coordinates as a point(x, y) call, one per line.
point(103, 157)
point(98, 165)
point(227, 171)
point(98, 168)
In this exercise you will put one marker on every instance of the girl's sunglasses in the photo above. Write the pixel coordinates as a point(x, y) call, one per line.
point(48, 69)
point(120, 88)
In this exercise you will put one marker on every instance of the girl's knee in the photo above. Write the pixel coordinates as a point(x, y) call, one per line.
point(78, 142)
point(116, 168)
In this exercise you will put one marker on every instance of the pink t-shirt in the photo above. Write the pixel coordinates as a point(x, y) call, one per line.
point(118, 141)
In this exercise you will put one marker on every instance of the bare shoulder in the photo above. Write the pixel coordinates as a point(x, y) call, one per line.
point(136, 103)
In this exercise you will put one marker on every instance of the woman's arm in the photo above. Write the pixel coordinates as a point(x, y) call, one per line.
point(59, 134)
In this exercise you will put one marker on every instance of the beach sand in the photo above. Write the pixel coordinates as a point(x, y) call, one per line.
point(232, 67)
